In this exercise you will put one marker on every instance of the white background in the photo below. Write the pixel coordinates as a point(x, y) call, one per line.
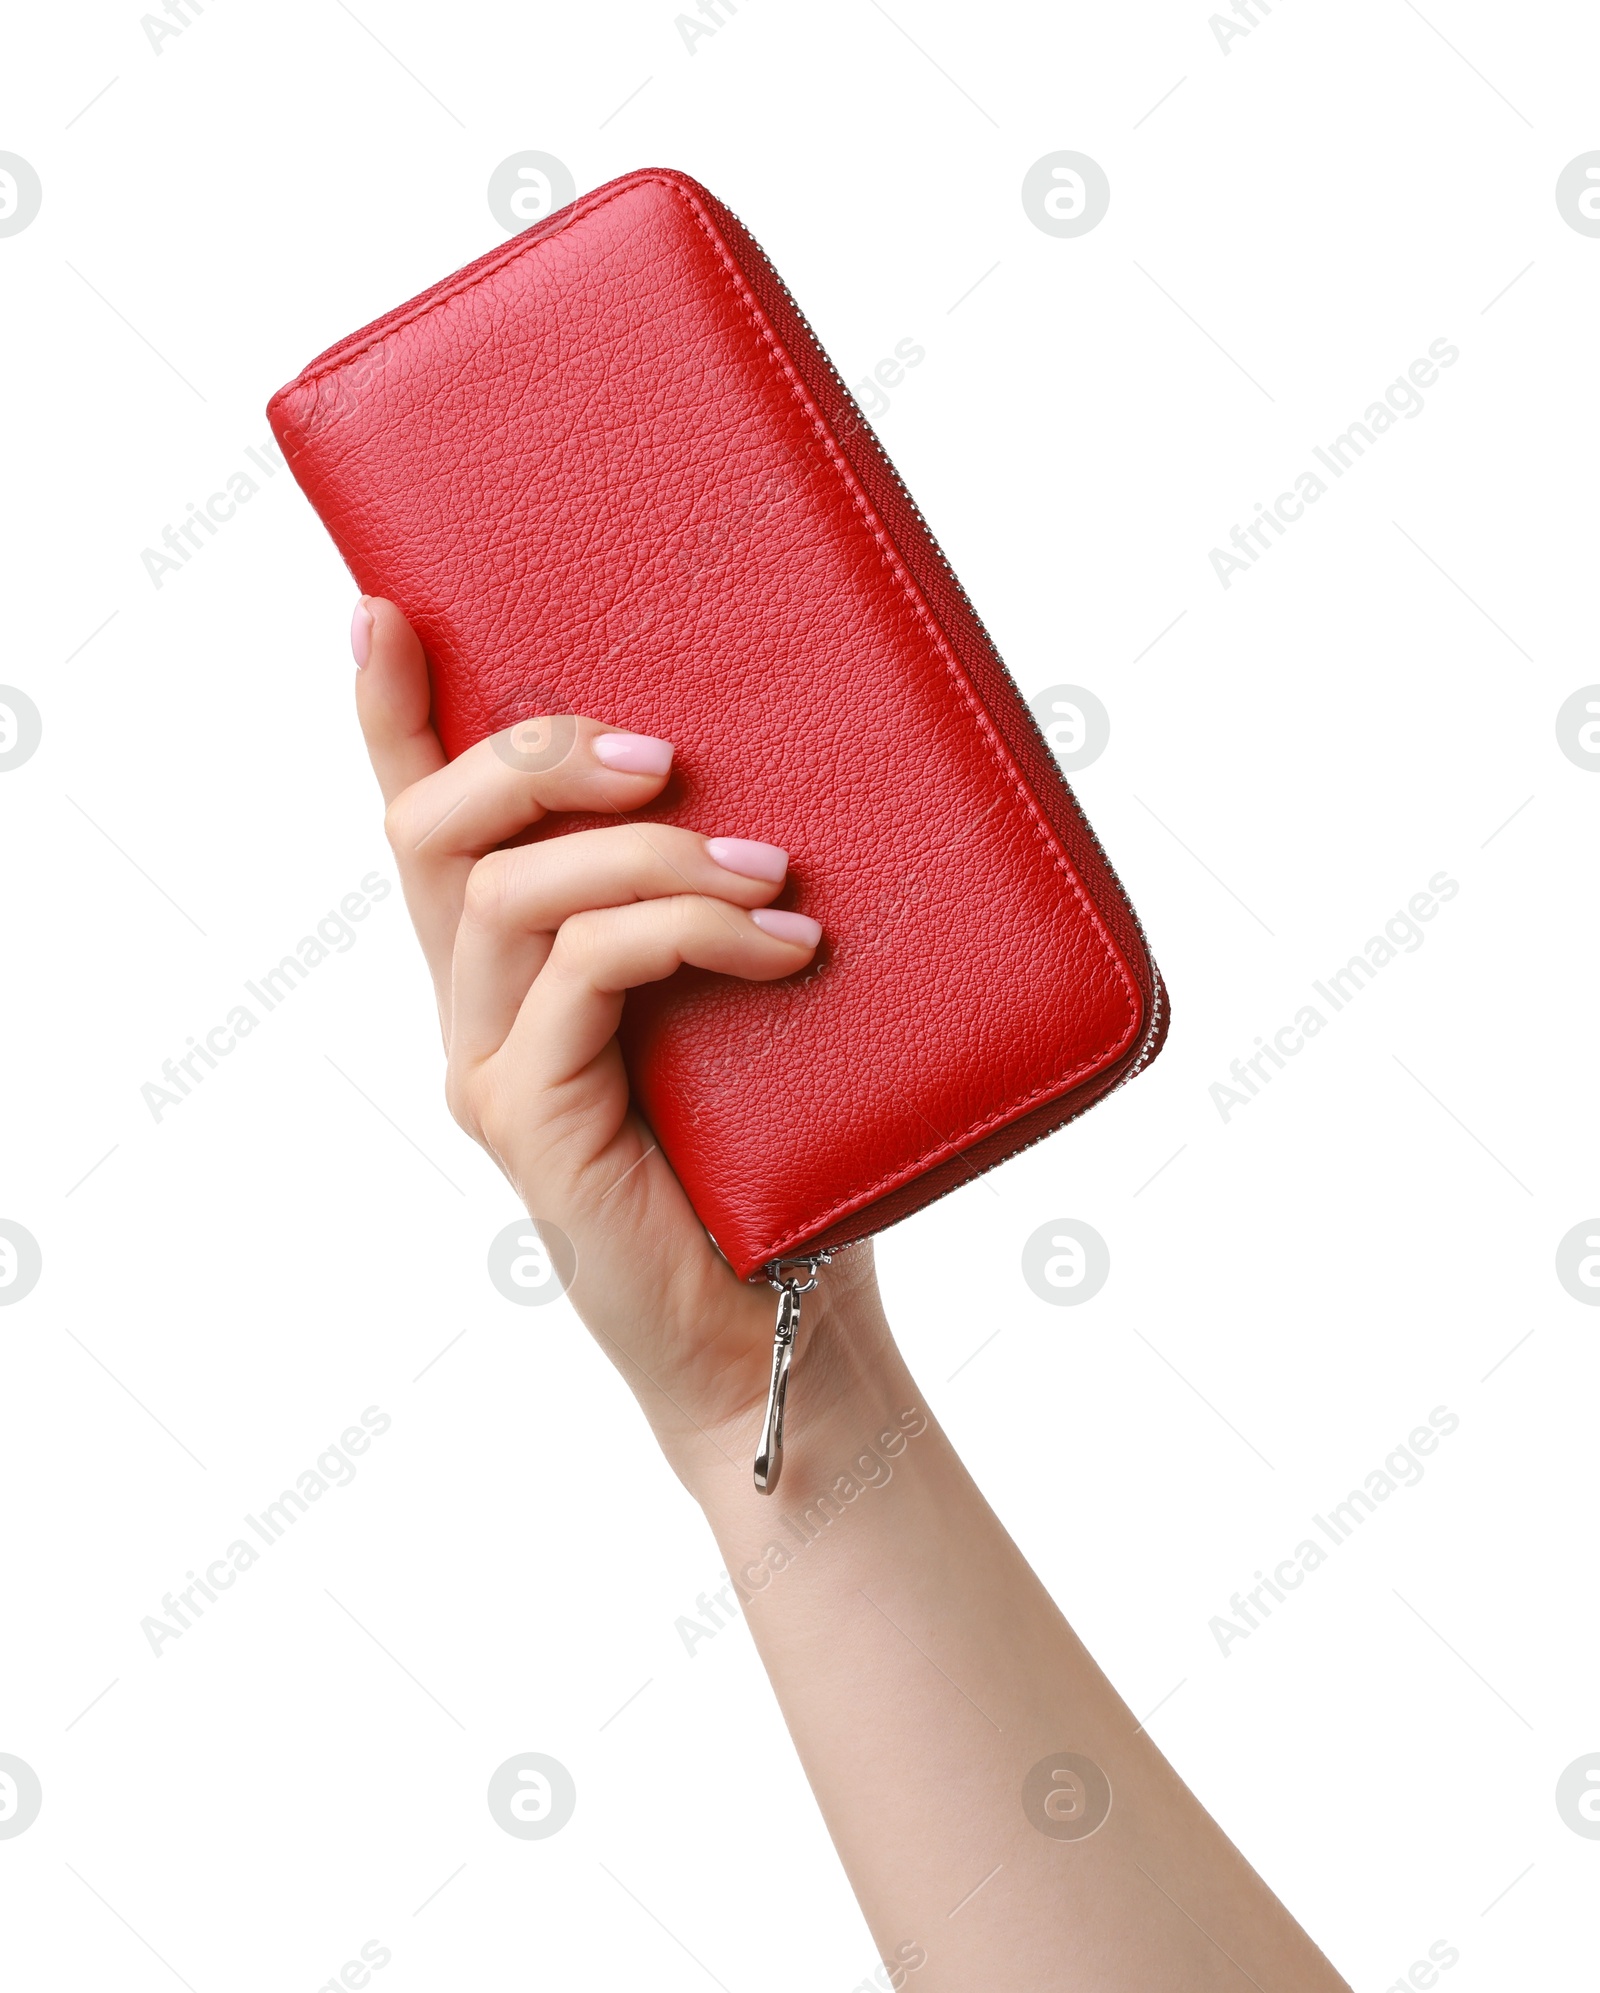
point(1297, 1288)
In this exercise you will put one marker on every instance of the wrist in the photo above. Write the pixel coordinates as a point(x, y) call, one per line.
point(848, 1390)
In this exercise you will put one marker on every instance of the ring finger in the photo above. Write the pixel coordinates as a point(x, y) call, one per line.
point(515, 900)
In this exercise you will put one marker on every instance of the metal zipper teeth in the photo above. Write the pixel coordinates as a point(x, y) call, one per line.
point(1152, 1030)
point(956, 581)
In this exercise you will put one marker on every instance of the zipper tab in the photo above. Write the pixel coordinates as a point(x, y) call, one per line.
point(786, 1277)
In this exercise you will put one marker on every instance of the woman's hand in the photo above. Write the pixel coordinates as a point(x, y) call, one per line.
point(532, 947)
point(925, 1676)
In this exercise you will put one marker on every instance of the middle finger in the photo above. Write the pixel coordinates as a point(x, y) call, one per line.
point(441, 825)
point(515, 900)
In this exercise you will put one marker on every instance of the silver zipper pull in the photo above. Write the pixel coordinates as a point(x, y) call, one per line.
point(790, 1287)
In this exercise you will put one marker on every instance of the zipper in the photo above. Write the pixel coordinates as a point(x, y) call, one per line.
point(1141, 1060)
point(782, 1275)
point(790, 1287)
point(993, 648)
point(782, 1349)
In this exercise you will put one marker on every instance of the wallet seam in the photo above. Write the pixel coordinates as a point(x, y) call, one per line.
point(894, 563)
point(889, 554)
point(471, 277)
point(953, 1146)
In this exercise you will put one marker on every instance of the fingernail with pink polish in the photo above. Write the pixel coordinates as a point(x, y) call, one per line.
point(633, 754)
point(798, 928)
point(748, 858)
point(361, 634)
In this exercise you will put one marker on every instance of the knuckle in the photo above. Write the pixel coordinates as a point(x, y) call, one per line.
point(470, 1095)
point(690, 918)
point(400, 823)
point(658, 851)
point(490, 889)
point(458, 1097)
point(465, 1095)
point(673, 930)
point(496, 1117)
point(577, 942)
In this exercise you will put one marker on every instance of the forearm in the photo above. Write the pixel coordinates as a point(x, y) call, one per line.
point(924, 1672)
point(932, 1688)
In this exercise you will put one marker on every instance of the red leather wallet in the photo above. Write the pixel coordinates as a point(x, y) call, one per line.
point(608, 469)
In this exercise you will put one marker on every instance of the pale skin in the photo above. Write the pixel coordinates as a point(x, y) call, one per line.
point(921, 1667)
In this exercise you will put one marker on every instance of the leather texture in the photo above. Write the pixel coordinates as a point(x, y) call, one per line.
point(608, 469)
